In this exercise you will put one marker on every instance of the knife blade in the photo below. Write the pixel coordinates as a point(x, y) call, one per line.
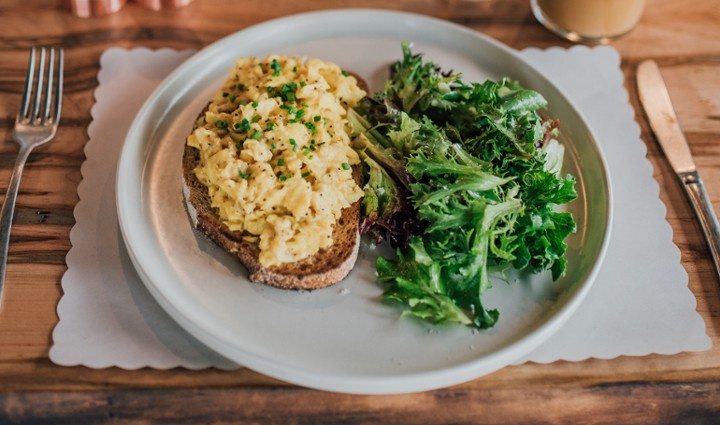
point(656, 102)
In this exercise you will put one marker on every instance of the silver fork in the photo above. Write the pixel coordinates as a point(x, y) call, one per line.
point(35, 125)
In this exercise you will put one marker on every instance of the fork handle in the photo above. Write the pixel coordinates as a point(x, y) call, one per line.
point(6, 213)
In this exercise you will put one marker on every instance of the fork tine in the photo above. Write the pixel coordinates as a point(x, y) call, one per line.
point(25, 105)
point(59, 86)
point(48, 87)
point(38, 87)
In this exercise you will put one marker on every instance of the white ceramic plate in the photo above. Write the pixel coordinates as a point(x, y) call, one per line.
point(342, 338)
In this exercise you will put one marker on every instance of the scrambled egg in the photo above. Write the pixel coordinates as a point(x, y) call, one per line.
point(275, 153)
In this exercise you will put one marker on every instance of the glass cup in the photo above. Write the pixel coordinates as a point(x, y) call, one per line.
point(588, 21)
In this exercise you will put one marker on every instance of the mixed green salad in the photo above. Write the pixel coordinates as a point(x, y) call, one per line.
point(463, 179)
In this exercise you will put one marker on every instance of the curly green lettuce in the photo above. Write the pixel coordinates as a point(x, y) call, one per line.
point(464, 179)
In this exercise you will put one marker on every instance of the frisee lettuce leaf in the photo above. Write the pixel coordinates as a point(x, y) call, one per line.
point(463, 178)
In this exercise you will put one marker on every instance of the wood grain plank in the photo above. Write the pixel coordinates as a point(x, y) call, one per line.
point(673, 403)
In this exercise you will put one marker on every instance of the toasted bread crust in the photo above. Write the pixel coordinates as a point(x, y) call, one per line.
point(327, 267)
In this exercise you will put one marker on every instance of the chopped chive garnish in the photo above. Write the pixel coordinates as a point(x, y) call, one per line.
point(293, 142)
point(303, 84)
point(292, 121)
point(345, 166)
point(305, 174)
point(257, 135)
point(242, 126)
point(317, 118)
point(300, 113)
point(256, 118)
point(275, 65)
point(232, 98)
point(281, 162)
point(345, 73)
point(286, 92)
point(294, 148)
point(270, 126)
point(254, 104)
point(283, 177)
point(272, 145)
point(313, 148)
point(243, 174)
point(238, 145)
point(289, 90)
point(288, 108)
point(294, 68)
point(311, 127)
point(221, 124)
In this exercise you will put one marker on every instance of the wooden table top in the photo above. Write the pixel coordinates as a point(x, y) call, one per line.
point(683, 37)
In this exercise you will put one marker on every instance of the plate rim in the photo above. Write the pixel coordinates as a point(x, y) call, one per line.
point(413, 381)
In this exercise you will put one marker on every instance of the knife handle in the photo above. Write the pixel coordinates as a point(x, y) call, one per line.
point(695, 190)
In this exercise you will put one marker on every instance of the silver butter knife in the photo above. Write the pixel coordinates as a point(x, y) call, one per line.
point(656, 102)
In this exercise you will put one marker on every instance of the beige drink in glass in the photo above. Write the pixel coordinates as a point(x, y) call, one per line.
point(590, 21)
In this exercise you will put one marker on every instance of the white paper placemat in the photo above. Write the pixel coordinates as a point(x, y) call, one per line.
point(107, 317)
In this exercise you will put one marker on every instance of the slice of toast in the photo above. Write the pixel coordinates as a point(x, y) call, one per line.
point(327, 267)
